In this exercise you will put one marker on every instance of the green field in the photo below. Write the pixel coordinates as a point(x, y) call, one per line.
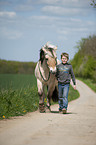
point(16, 81)
point(19, 95)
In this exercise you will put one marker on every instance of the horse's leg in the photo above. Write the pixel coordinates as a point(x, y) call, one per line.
point(51, 88)
point(41, 96)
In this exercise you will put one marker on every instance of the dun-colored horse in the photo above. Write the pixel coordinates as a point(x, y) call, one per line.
point(45, 73)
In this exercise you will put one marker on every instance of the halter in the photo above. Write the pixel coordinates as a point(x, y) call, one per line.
point(49, 55)
point(42, 75)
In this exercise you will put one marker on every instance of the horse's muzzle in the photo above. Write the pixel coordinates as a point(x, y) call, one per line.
point(53, 72)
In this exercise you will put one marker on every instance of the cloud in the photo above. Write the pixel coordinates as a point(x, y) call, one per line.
point(66, 3)
point(71, 30)
point(24, 7)
point(49, 1)
point(11, 34)
point(7, 14)
point(43, 21)
point(55, 20)
point(44, 18)
point(4, 2)
point(57, 10)
point(63, 25)
point(75, 20)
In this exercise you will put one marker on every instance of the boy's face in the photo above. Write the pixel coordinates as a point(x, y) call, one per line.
point(64, 59)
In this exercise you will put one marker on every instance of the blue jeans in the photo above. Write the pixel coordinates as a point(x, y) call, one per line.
point(63, 95)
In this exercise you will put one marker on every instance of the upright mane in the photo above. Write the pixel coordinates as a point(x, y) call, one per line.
point(50, 46)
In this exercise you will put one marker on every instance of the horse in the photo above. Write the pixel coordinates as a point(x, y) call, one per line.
point(45, 73)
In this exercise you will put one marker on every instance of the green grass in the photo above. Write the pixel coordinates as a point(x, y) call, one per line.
point(16, 81)
point(19, 95)
point(89, 82)
point(73, 94)
point(18, 102)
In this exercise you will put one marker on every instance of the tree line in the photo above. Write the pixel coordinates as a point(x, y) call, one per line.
point(84, 61)
point(16, 67)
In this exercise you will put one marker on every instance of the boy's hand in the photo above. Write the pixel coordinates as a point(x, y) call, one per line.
point(74, 87)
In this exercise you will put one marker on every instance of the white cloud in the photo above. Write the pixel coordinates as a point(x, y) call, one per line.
point(63, 32)
point(11, 34)
point(66, 32)
point(75, 20)
point(65, 3)
point(44, 18)
point(24, 8)
point(55, 19)
point(62, 25)
point(49, 1)
point(7, 14)
point(64, 11)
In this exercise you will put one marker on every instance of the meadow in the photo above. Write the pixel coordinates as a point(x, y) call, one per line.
point(19, 95)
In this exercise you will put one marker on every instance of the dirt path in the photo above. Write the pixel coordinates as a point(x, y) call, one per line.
point(77, 127)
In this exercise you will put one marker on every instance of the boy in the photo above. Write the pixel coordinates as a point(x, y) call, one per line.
point(64, 74)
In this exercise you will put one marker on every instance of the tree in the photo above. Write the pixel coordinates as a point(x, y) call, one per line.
point(93, 3)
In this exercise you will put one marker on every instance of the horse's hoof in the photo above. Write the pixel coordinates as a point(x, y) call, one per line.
point(42, 108)
point(48, 109)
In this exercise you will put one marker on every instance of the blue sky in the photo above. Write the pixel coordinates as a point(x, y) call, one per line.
point(26, 25)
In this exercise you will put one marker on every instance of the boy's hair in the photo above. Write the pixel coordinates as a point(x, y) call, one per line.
point(65, 54)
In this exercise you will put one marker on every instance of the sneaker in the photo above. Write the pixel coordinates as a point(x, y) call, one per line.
point(64, 111)
point(60, 110)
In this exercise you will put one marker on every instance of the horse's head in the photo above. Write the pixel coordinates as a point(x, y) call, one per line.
point(48, 55)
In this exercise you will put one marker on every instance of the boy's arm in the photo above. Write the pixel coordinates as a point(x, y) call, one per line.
point(73, 78)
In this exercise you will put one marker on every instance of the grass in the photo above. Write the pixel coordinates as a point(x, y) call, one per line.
point(89, 82)
point(19, 95)
point(16, 81)
point(73, 94)
point(18, 102)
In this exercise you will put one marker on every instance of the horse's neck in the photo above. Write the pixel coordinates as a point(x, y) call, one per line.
point(45, 67)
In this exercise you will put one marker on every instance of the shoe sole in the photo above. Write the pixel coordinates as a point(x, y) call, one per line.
point(64, 111)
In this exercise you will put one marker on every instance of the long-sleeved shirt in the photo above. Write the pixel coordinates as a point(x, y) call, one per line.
point(65, 73)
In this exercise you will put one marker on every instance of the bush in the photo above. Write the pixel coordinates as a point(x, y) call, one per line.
point(84, 61)
point(89, 68)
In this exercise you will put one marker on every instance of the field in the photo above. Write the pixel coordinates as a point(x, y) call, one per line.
point(18, 95)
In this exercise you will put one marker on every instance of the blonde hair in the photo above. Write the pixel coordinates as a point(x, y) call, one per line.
point(65, 54)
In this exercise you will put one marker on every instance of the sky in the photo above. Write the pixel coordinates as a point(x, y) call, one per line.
point(27, 25)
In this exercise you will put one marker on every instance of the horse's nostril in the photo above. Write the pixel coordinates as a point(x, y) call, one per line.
point(53, 72)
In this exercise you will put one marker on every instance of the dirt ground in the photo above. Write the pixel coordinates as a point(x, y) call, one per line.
point(77, 127)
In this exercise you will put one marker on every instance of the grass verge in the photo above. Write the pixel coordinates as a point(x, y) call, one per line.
point(89, 83)
point(18, 102)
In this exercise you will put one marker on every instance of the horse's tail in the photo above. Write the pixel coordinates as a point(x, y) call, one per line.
point(55, 95)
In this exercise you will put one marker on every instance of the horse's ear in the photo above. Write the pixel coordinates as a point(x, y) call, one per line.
point(41, 56)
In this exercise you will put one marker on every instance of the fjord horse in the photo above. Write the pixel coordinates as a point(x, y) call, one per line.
point(45, 73)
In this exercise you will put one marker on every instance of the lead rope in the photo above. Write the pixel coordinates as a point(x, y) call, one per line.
point(42, 75)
